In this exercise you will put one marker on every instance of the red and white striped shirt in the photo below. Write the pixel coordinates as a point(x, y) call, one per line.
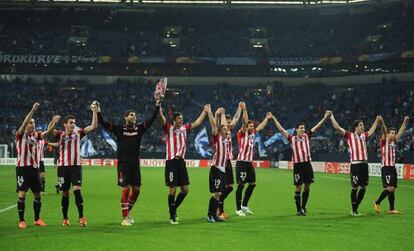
point(387, 152)
point(246, 144)
point(41, 149)
point(176, 140)
point(231, 156)
point(357, 146)
point(69, 147)
point(26, 145)
point(300, 147)
point(221, 148)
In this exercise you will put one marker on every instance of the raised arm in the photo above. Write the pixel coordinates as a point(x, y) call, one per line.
point(245, 115)
point(223, 118)
point(211, 119)
point(147, 124)
point(163, 120)
point(218, 116)
point(323, 120)
point(373, 127)
point(199, 120)
point(236, 117)
point(336, 126)
point(383, 128)
point(402, 128)
point(105, 124)
point(51, 127)
point(263, 124)
point(27, 119)
point(280, 127)
point(94, 122)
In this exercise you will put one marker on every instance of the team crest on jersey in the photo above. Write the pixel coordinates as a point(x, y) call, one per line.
point(31, 140)
point(68, 138)
point(178, 131)
point(301, 139)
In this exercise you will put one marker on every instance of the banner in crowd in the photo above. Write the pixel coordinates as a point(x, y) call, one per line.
point(293, 61)
point(50, 59)
point(278, 137)
point(299, 61)
point(87, 149)
point(201, 144)
point(107, 138)
point(261, 148)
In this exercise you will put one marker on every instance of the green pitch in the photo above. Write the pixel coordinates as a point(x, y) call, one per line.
point(273, 226)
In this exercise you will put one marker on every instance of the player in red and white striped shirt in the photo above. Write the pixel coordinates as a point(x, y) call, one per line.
point(69, 162)
point(357, 147)
point(175, 168)
point(244, 167)
point(229, 180)
point(27, 173)
point(388, 170)
point(221, 154)
point(301, 158)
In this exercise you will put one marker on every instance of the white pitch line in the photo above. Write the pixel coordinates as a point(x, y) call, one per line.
point(344, 179)
point(7, 208)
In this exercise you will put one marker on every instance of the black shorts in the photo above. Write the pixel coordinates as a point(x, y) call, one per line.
point(68, 175)
point(389, 176)
point(245, 172)
point(41, 166)
point(217, 180)
point(176, 173)
point(129, 173)
point(359, 175)
point(302, 173)
point(28, 177)
point(229, 174)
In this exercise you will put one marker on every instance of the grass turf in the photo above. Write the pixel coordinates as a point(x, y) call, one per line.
point(274, 225)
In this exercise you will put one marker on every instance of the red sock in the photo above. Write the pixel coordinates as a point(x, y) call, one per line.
point(132, 199)
point(124, 202)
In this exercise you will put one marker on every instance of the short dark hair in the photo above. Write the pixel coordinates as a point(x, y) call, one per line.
point(249, 122)
point(175, 115)
point(356, 123)
point(66, 119)
point(391, 129)
point(228, 116)
point(299, 124)
point(127, 112)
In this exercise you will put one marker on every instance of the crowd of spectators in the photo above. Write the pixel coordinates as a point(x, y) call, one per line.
point(204, 32)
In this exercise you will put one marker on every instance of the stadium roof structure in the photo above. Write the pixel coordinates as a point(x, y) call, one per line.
point(205, 3)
